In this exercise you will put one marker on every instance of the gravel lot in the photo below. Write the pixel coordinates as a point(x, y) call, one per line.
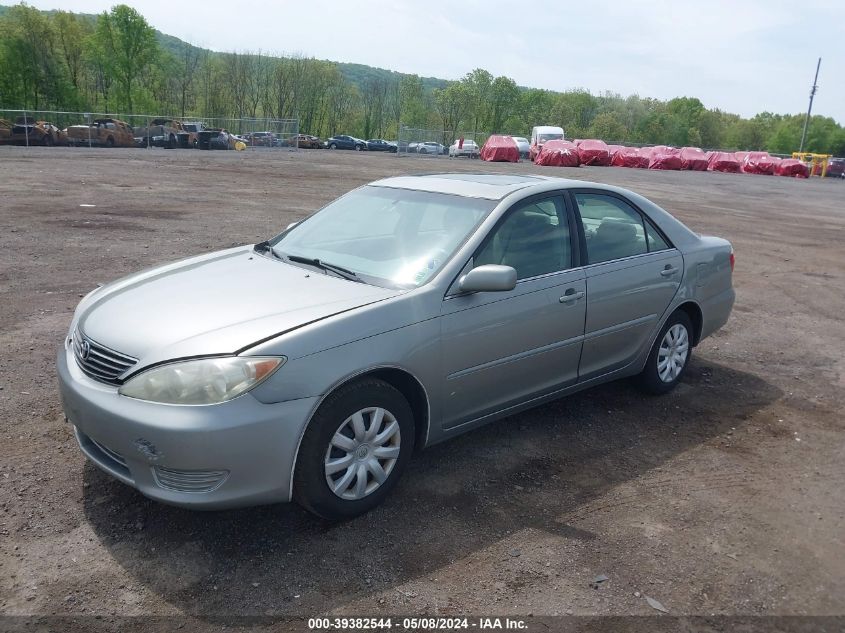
point(724, 497)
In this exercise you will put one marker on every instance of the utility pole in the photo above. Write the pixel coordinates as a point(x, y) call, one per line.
point(810, 109)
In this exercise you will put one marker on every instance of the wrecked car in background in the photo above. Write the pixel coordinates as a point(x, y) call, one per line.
point(5, 132)
point(28, 131)
point(188, 138)
point(102, 133)
point(218, 138)
point(160, 133)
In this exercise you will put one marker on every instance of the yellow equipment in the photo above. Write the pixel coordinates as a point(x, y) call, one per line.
point(816, 162)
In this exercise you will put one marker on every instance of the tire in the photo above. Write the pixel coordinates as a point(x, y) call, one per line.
point(655, 379)
point(333, 146)
point(358, 148)
point(110, 142)
point(47, 140)
point(334, 418)
point(171, 142)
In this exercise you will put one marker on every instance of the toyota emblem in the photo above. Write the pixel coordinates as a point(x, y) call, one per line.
point(86, 349)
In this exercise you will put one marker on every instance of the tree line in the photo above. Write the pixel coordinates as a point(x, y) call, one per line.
point(116, 63)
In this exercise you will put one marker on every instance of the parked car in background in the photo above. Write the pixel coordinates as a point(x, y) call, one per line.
point(343, 141)
point(216, 138)
point(409, 311)
point(188, 138)
point(430, 147)
point(523, 145)
point(540, 134)
point(380, 145)
point(306, 141)
point(5, 132)
point(468, 148)
point(101, 133)
point(28, 130)
point(836, 168)
point(159, 133)
point(262, 139)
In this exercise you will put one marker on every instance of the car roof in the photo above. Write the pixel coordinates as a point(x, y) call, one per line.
point(486, 186)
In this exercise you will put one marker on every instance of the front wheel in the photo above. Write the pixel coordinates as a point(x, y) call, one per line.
point(354, 450)
point(669, 355)
point(333, 146)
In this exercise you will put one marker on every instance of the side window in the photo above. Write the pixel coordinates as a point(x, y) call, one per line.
point(534, 239)
point(655, 240)
point(613, 228)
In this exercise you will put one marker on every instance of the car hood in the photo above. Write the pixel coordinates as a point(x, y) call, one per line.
point(219, 303)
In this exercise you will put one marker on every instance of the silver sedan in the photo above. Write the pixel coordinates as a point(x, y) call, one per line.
point(310, 366)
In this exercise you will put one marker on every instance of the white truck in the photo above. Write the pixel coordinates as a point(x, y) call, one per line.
point(540, 134)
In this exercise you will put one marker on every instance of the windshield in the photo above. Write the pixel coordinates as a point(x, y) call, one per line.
point(542, 138)
point(388, 237)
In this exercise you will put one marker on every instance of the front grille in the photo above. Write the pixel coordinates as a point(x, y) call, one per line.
point(189, 480)
point(100, 362)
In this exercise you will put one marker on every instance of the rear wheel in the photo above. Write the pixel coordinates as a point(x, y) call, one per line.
point(669, 355)
point(171, 142)
point(48, 140)
point(354, 450)
point(110, 142)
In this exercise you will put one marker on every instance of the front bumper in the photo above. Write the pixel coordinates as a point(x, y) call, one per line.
point(232, 454)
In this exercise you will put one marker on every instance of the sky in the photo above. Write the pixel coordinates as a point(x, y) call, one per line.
point(741, 56)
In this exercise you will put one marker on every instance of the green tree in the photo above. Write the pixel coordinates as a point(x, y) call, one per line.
point(129, 46)
point(608, 127)
point(504, 101)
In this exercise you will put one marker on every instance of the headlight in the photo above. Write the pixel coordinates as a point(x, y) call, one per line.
point(203, 381)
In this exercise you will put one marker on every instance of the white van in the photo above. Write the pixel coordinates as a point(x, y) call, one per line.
point(542, 133)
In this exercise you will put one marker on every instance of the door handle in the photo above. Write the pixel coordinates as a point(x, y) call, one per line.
point(571, 295)
point(668, 271)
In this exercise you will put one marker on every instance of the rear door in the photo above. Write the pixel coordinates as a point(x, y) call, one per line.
point(632, 274)
point(502, 348)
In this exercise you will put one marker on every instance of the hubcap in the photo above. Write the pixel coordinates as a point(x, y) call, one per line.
point(362, 453)
point(673, 353)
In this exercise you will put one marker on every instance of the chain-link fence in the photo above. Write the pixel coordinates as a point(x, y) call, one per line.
point(88, 129)
point(428, 143)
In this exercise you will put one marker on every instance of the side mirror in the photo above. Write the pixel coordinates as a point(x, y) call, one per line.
point(291, 225)
point(488, 278)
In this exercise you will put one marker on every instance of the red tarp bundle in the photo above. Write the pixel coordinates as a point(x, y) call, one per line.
point(693, 158)
point(631, 157)
point(792, 167)
point(558, 154)
point(758, 163)
point(663, 157)
point(613, 149)
point(500, 148)
point(593, 152)
point(722, 161)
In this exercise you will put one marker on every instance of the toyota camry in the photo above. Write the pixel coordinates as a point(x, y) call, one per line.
point(310, 366)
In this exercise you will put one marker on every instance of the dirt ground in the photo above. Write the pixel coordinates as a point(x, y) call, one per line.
point(725, 497)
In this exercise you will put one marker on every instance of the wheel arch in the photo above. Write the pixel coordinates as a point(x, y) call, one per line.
point(411, 388)
point(694, 313)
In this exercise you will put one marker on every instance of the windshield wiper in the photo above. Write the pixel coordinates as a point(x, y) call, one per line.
point(338, 270)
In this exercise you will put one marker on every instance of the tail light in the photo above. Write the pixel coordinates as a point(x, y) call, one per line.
point(733, 260)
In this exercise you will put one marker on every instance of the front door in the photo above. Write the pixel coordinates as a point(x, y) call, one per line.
point(502, 348)
point(633, 273)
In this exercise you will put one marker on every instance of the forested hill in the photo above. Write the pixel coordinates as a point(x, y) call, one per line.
point(356, 74)
point(116, 63)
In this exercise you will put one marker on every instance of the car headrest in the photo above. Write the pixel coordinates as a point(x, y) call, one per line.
point(529, 224)
point(613, 230)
